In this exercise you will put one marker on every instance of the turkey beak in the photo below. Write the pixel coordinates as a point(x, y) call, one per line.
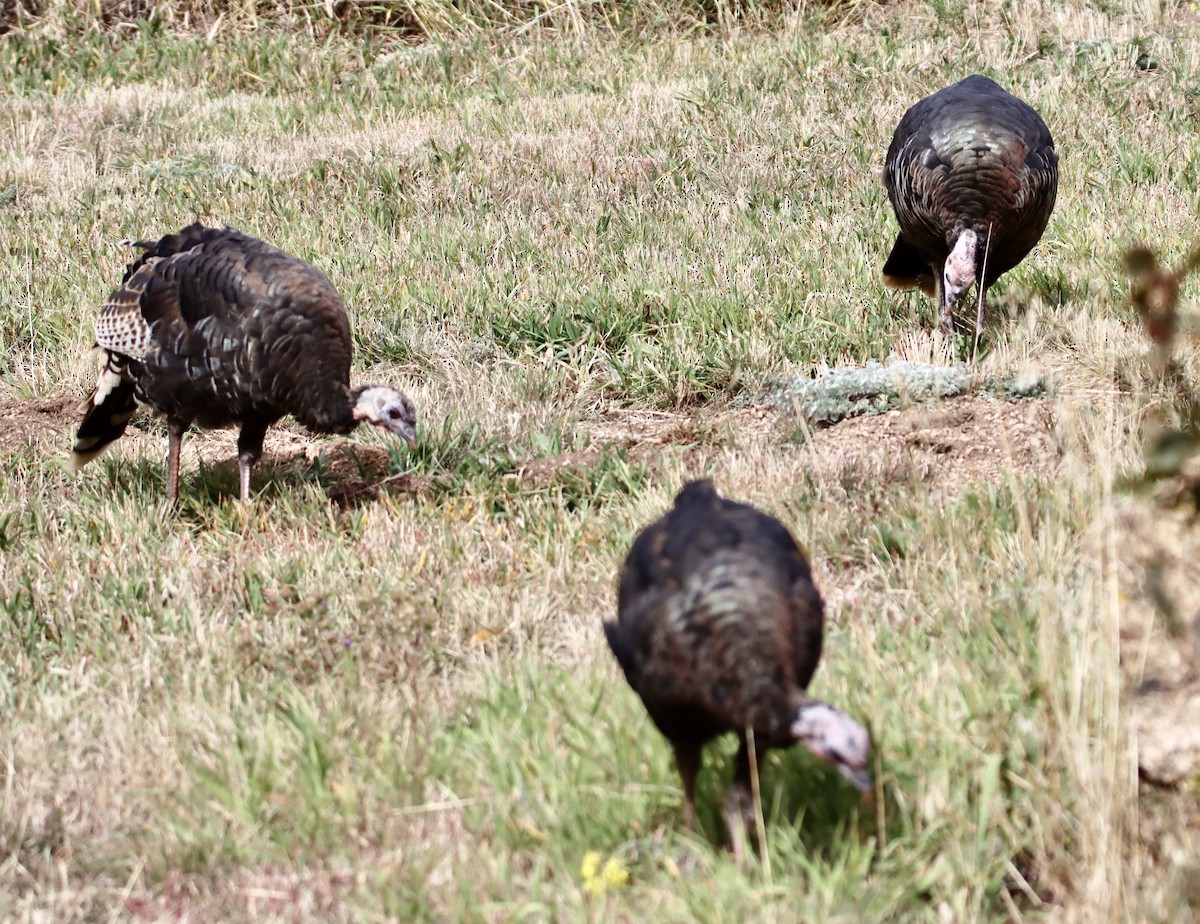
point(859, 777)
point(406, 431)
point(837, 739)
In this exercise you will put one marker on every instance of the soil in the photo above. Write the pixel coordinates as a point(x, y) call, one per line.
point(949, 444)
point(25, 422)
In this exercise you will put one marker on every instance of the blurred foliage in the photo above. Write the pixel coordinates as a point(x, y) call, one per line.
point(1173, 453)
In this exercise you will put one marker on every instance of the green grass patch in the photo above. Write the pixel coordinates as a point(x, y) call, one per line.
point(584, 238)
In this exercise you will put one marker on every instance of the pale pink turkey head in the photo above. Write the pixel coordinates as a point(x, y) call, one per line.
point(837, 739)
point(389, 409)
point(959, 273)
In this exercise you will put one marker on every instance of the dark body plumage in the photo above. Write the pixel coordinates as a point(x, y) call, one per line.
point(718, 629)
point(214, 327)
point(969, 157)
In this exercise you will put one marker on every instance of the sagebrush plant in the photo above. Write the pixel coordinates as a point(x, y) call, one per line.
point(586, 235)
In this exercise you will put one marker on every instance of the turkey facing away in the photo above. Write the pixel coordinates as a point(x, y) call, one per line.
point(214, 327)
point(719, 629)
point(972, 176)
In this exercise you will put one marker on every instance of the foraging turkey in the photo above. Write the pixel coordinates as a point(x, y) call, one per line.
point(719, 629)
point(214, 327)
point(972, 176)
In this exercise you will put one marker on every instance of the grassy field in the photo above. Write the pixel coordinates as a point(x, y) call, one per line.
point(381, 692)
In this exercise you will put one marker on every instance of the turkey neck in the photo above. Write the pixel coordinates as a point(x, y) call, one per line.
point(330, 412)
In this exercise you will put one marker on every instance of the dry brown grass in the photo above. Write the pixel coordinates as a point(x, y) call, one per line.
point(381, 691)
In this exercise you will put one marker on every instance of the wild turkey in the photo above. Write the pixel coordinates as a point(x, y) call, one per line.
point(214, 327)
point(972, 176)
point(719, 629)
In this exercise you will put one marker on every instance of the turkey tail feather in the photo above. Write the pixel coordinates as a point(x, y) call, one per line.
point(106, 413)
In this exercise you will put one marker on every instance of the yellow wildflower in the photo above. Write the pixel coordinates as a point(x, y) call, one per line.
point(615, 874)
point(596, 879)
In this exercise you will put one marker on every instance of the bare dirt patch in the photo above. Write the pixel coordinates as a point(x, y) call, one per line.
point(948, 445)
point(357, 471)
point(25, 422)
point(648, 429)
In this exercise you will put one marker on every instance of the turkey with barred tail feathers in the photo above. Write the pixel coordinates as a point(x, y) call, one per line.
point(718, 629)
point(213, 327)
point(972, 176)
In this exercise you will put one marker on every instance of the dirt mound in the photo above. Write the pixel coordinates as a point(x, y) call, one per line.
point(24, 422)
point(949, 444)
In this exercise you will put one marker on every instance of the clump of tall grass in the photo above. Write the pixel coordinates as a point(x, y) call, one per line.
point(407, 18)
